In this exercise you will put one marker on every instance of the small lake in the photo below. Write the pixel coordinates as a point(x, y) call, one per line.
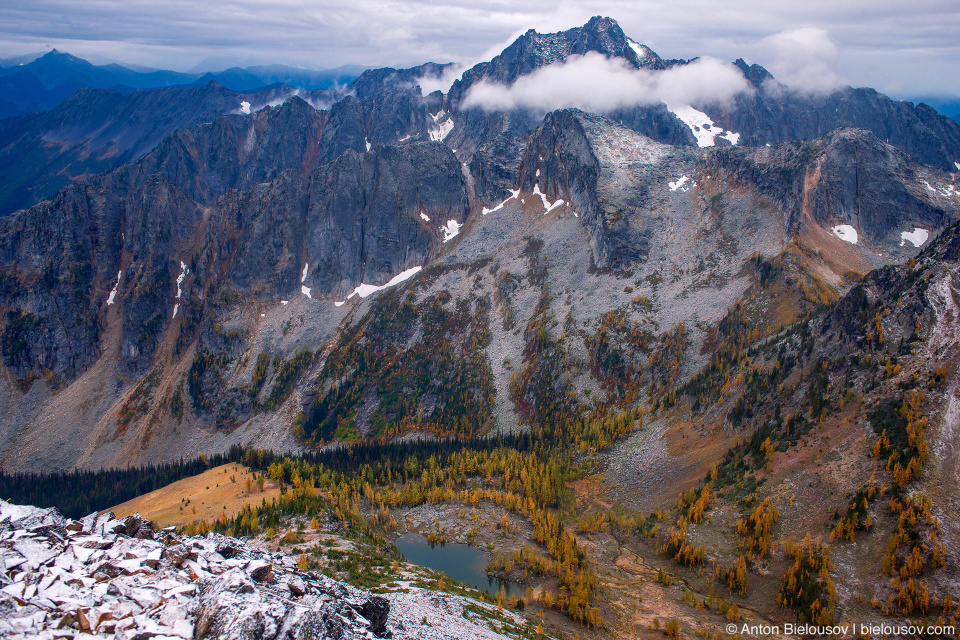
point(459, 561)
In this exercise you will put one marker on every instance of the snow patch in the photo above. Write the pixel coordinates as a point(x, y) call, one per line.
point(538, 173)
point(113, 294)
point(703, 128)
point(442, 126)
point(451, 230)
point(284, 302)
point(245, 107)
point(367, 142)
point(543, 198)
point(405, 138)
point(424, 217)
point(946, 191)
point(957, 165)
point(305, 290)
point(183, 274)
point(730, 136)
point(637, 48)
point(846, 233)
point(553, 206)
point(513, 194)
point(680, 184)
point(365, 290)
point(916, 237)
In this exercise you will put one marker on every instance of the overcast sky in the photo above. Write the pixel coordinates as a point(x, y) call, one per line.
point(903, 48)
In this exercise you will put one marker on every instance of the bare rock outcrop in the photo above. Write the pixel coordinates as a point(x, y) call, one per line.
point(124, 578)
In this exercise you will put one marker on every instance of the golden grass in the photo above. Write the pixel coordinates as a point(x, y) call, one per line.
point(221, 490)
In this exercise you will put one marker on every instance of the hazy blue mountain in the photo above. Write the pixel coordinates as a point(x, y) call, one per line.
point(30, 85)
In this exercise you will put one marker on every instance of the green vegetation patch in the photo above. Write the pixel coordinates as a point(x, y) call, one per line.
point(411, 366)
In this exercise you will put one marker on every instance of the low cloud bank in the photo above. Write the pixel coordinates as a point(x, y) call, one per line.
point(598, 84)
point(442, 82)
point(804, 59)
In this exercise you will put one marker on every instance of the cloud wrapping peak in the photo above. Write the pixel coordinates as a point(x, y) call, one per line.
point(598, 84)
point(804, 59)
point(442, 82)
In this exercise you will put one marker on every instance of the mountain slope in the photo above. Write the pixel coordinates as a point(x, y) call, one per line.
point(212, 265)
point(209, 289)
point(842, 426)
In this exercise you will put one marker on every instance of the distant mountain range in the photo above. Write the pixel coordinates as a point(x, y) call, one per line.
point(946, 105)
point(36, 83)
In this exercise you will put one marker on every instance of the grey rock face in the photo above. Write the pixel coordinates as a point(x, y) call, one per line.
point(238, 152)
point(354, 220)
point(376, 609)
point(374, 82)
point(566, 153)
point(775, 114)
point(849, 176)
point(363, 223)
point(496, 166)
point(756, 74)
point(657, 123)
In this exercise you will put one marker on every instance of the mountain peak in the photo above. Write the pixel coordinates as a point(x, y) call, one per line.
point(55, 54)
point(602, 22)
point(601, 34)
point(534, 50)
point(756, 74)
point(57, 57)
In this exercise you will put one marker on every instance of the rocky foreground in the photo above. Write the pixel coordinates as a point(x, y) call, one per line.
point(122, 578)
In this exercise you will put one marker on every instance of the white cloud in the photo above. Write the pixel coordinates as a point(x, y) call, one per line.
point(804, 59)
point(595, 83)
point(432, 82)
point(893, 45)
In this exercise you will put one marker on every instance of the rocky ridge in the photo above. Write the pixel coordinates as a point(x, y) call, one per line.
point(122, 578)
point(190, 296)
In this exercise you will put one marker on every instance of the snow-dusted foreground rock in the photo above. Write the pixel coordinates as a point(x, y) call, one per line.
point(122, 578)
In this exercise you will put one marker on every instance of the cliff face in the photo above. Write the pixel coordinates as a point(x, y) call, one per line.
point(198, 291)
